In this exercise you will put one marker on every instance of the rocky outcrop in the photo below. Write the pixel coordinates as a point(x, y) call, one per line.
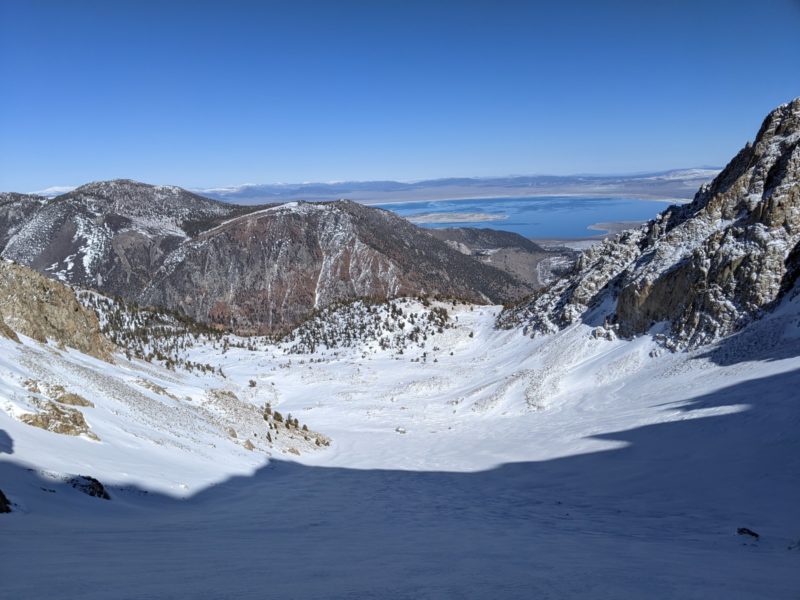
point(5, 505)
point(7, 332)
point(44, 310)
point(56, 392)
point(706, 268)
point(255, 269)
point(51, 416)
point(89, 486)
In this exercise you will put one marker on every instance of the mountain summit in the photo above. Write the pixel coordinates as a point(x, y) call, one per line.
point(704, 269)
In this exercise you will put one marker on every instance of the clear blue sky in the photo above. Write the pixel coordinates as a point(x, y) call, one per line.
point(202, 93)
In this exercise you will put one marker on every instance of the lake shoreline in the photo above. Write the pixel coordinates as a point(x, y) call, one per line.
point(448, 218)
point(499, 197)
point(538, 217)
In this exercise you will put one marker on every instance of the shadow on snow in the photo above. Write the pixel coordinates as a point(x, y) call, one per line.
point(655, 516)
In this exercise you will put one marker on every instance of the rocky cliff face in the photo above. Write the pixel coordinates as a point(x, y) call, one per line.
point(706, 268)
point(252, 268)
point(270, 269)
point(44, 310)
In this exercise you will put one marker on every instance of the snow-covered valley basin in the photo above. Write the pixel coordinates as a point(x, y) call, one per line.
point(565, 466)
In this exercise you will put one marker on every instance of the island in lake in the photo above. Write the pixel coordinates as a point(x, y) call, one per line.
point(456, 217)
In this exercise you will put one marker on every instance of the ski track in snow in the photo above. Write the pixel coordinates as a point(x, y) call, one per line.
point(565, 466)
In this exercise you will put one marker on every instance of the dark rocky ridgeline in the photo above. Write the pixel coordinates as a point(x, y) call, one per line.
point(251, 268)
point(706, 268)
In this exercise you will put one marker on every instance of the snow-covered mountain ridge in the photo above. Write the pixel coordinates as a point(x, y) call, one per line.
point(257, 269)
point(704, 269)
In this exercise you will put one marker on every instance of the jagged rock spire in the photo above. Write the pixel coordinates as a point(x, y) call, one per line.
point(706, 268)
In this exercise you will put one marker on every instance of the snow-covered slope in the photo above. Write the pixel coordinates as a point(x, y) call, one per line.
point(569, 465)
point(132, 423)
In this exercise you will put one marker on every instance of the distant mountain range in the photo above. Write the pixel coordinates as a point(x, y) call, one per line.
point(677, 184)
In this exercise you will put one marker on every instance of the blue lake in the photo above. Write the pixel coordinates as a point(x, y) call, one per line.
point(558, 217)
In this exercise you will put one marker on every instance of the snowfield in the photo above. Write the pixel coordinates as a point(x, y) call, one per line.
point(483, 464)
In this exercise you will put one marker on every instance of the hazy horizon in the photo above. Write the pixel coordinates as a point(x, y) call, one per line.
point(63, 188)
